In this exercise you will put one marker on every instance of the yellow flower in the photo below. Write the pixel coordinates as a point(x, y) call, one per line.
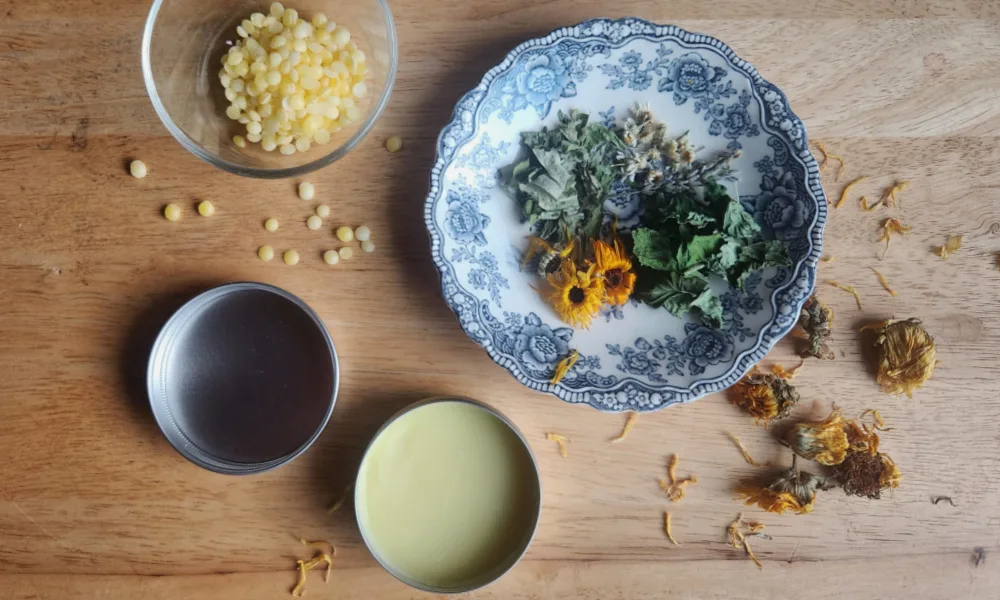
point(907, 355)
point(764, 395)
point(614, 266)
point(824, 442)
point(576, 295)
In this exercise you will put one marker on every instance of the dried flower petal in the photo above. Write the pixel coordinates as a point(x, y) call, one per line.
point(827, 155)
point(890, 198)
point(629, 424)
point(847, 288)
point(954, 243)
point(560, 440)
point(564, 366)
point(847, 190)
point(816, 320)
point(884, 282)
point(828, 259)
point(737, 539)
point(907, 355)
point(794, 490)
point(863, 201)
point(666, 528)
point(787, 374)
point(673, 487)
point(746, 453)
point(340, 501)
point(890, 226)
point(824, 441)
point(765, 396)
point(822, 148)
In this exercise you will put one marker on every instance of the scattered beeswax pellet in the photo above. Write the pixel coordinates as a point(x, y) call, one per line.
point(240, 141)
point(307, 191)
point(362, 233)
point(394, 144)
point(346, 253)
point(172, 212)
point(314, 222)
point(265, 253)
point(291, 257)
point(345, 234)
point(271, 225)
point(331, 257)
point(137, 168)
point(323, 211)
point(206, 208)
point(367, 246)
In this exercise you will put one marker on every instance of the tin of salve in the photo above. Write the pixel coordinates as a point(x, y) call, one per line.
point(243, 378)
point(448, 495)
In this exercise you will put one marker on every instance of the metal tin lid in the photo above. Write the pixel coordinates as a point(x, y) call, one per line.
point(243, 378)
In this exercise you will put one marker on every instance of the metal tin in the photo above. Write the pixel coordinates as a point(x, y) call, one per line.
point(243, 378)
point(538, 508)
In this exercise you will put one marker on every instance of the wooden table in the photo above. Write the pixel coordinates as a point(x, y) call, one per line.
point(95, 504)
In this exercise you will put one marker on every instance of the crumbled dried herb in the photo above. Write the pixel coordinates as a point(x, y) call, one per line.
point(907, 355)
point(794, 490)
point(816, 320)
point(980, 554)
point(764, 395)
point(866, 475)
point(954, 243)
point(824, 441)
point(890, 198)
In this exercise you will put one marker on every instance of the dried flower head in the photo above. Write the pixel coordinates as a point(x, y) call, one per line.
point(764, 395)
point(866, 475)
point(615, 267)
point(907, 355)
point(824, 442)
point(576, 294)
point(793, 490)
point(816, 320)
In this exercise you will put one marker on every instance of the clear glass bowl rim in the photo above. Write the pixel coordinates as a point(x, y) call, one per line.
point(225, 165)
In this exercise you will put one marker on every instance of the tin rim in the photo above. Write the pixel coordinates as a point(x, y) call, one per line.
point(538, 484)
point(155, 382)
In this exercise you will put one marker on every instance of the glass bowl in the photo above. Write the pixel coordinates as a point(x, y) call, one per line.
point(182, 45)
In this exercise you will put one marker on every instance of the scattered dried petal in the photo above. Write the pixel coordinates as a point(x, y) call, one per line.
point(746, 453)
point(828, 259)
point(890, 226)
point(884, 282)
point(907, 355)
point(954, 243)
point(816, 320)
point(737, 539)
point(828, 155)
point(666, 528)
point(787, 374)
point(890, 198)
point(564, 366)
point(629, 424)
point(560, 440)
point(340, 502)
point(847, 190)
point(673, 487)
point(863, 201)
point(847, 288)
point(822, 148)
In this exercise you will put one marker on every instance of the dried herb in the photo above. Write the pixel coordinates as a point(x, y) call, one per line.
point(615, 269)
point(560, 440)
point(544, 259)
point(746, 453)
point(891, 196)
point(907, 355)
point(827, 155)
point(629, 424)
point(847, 288)
point(884, 282)
point(793, 490)
point(564, 366)
point(816, 320)
point(764, 395)
point(890, 226)
point(576, 294)
point(866, 475)
point(305, 566)
point(672, 486)
point(954, 243)
point(737, 538)
point(666, 529)
point(787, 374)
point(824, 441)
point(847, 190)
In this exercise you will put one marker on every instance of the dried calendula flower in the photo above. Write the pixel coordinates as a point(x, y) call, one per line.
point(764, 395)
point(954, 243)
point(824, 442)
point(889, 227)
point(564, 366)
point(847, 288)
point(816, 320)
point(560, 440)
point(673, 487)
point(907, 355)
point(866, 475)
point(794, 491)
point(629, 424)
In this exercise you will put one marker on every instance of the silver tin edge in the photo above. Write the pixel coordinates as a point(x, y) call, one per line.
point(155, 382)
point(534, 464)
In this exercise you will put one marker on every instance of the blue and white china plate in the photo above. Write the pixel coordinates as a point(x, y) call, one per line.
point(634, 357)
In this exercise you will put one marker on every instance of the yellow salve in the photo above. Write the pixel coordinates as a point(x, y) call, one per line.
point(447, 496)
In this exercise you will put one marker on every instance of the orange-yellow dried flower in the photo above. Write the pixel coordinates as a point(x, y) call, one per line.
point(824, 442)
point(576, 295)
point(907, 355)
point(866, 475)
point(764, 395)
point(793, 491)
point(340, 501)
point(746, 453)
point(615, 268)
point(891, 196)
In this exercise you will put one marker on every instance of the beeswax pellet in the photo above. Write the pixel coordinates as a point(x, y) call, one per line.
point(291, 257)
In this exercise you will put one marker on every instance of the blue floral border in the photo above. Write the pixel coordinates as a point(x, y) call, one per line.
point(786, 301)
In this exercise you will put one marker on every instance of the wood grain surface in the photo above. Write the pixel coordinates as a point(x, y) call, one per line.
point(94, 503)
